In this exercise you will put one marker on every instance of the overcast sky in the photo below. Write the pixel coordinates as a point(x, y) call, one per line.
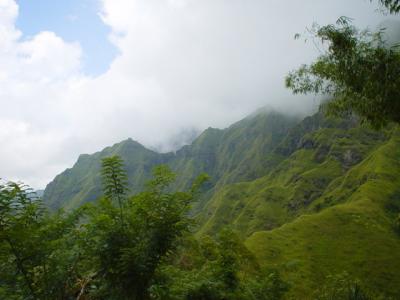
point(146, 69)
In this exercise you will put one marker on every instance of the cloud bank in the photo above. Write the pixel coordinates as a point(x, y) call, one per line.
point(183, 65)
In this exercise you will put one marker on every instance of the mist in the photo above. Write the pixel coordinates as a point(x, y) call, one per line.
point(182, 66)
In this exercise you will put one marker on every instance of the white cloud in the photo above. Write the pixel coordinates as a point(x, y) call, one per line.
point(182, 64)
point(47, 57)
point(8, 14)
point(35, 75)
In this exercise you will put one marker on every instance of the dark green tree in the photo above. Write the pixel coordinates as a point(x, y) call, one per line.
point(267, 285)
point(36, 249)
point(115, 180)
point(18, 218)
point(217, 268)
point(357, 71)
point(125, 259)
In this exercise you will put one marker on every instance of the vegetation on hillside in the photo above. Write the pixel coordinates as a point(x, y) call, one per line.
point(148, 249)
point(139, 248)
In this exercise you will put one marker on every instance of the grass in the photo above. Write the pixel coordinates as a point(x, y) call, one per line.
point(297, 184)
point(355, 236)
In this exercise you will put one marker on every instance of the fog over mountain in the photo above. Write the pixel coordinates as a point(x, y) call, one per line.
point(182, 66)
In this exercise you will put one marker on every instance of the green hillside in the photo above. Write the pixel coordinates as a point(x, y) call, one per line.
point(310, 198)
point(355, 235)
point(327, 207)
point(302, 171)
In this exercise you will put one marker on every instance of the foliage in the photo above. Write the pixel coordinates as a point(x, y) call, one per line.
point(393, 6)
point(342, 287)
point(127, 257)
point(114, 180)
point(357, 70)
point(217, 268)
point(267, 286)
point(87, 253)
point(36, 249)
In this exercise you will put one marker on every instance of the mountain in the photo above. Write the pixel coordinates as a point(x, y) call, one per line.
point(82, 183)
point(228, 155)
point(310, 197)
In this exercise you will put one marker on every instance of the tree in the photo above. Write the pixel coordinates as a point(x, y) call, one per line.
point(18, 218)
point(115, 180)
point(217, 268)
point(125, 259)
point(86, 252)
point(392, 5)
point(36, 248)
point(357, 70)
point(268, 285)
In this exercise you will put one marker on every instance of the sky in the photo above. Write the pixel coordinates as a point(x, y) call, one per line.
point(79, 75)
point(72, 20)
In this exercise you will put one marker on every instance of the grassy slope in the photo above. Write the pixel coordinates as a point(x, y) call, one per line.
point(355, 235)
point(295, 185)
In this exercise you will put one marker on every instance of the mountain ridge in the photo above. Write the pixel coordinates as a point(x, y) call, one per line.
point(81, 183)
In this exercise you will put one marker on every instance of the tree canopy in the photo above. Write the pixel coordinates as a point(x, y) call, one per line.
point(357, 70)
